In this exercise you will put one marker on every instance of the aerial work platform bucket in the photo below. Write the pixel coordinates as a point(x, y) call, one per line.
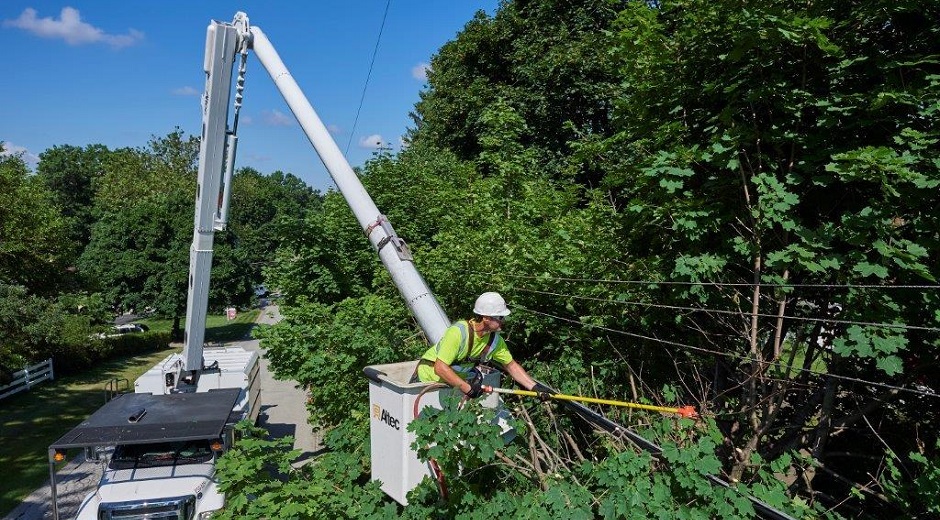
point(391, 409)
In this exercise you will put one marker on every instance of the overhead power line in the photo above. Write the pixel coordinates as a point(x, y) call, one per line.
point(727, 354)
point(712, 284)
point(362, 98)
point(735, 313)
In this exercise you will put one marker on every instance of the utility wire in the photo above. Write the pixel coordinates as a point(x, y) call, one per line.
point(368, 76)
point(736, 313)
point(727, 354)
point(713, 284)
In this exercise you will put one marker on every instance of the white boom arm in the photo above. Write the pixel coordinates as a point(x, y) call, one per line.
point(216, 163)
point(397, 258)
point(224, 43)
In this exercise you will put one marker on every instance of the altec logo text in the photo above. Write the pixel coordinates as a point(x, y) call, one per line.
point(383, 415)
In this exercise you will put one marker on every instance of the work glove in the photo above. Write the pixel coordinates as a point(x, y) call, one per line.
point(542, 392)
point(476, 387)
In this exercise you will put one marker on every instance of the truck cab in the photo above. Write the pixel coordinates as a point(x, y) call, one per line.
point(184, 472)
point(157, 452)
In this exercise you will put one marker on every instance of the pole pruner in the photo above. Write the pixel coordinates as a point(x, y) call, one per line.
point(682, 411)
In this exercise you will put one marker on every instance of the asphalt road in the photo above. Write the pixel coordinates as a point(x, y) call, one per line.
point(283, 404)
point(283, 412)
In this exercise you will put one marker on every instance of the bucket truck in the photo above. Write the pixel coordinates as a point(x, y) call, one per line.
point(170, 431)
point(161, 442)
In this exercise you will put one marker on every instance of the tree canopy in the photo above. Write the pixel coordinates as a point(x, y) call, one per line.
point(33, 247)
point(717, 203)
point(96, 232)
point(722, 203)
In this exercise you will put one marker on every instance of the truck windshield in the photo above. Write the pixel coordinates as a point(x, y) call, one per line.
point(161, 454)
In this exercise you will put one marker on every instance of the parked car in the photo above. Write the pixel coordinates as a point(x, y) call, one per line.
point(126, 328)
point(130, 328)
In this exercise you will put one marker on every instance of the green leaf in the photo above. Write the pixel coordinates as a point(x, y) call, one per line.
point(890, 365)
point(670, 185)
point(868, 269)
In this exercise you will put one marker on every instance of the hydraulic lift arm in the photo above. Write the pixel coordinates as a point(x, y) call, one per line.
point(216, 164)
point(227, 43)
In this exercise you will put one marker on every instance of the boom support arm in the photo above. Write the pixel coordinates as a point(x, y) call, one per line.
point(392, 250)
point(224, 43)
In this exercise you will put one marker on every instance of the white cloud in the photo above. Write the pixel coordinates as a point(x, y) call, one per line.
point(420, 71)
point(186, 91)
point(258, 158)
point(11, 149)
point(71, 28)
point(334, 129)
point(276, 118)
point(373, 141)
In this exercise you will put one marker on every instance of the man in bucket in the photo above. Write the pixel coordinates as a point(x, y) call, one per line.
point(469, 343)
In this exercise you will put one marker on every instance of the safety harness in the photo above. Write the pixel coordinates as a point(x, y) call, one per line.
point(477, 363)
point(467, 335)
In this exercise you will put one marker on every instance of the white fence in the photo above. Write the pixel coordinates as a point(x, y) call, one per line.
point(28, 378)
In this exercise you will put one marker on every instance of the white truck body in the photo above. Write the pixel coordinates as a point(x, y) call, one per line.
point(159, 454)
point(226, 367)
point(180, 489)
point(184, 489)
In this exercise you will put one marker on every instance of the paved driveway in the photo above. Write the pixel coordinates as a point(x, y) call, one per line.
point(283, 412)
point(283, 405)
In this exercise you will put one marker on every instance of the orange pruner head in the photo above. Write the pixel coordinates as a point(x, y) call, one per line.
point(687, 411)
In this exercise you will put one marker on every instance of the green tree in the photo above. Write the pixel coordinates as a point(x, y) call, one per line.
point(323, 257)
point(548, 60)
point(786, 145)
point(261, 481)
point(261, 206)
point(35, 328)
point(138, 255)
point(71, 174)
point(33, 242)
point(42, 312)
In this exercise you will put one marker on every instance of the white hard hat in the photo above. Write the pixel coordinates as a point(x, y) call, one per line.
point(491, 304)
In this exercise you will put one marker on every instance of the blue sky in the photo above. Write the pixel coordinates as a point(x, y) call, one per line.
point(118, 72)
